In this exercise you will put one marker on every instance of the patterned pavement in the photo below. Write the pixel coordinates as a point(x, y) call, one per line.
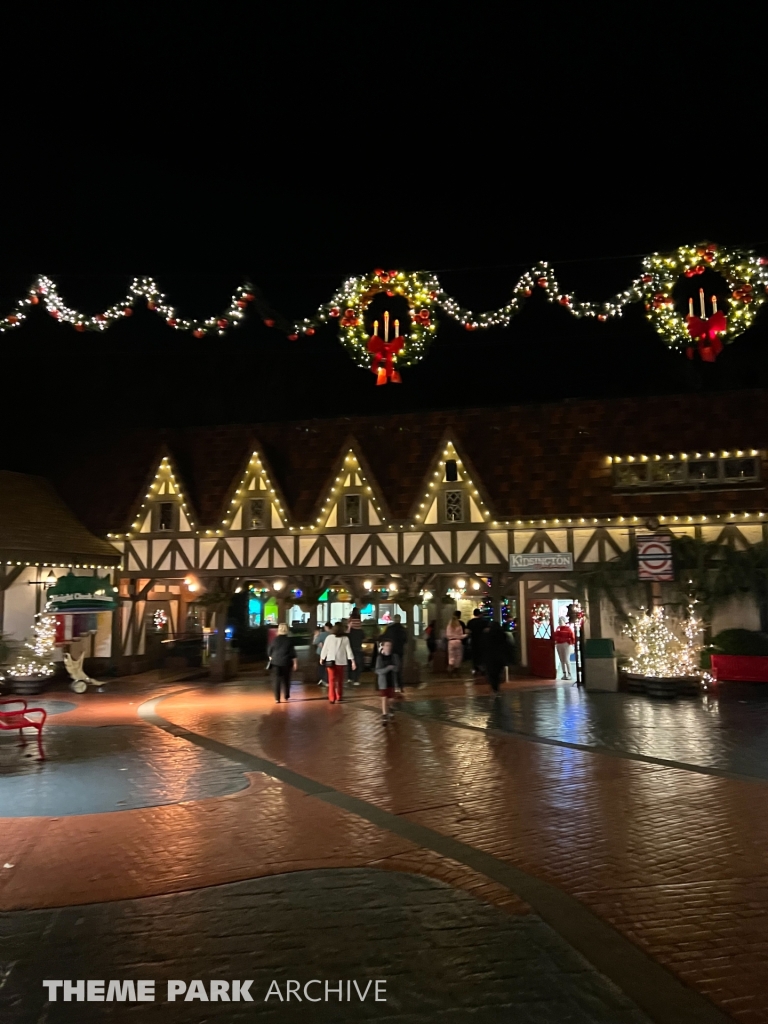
point(649, 818)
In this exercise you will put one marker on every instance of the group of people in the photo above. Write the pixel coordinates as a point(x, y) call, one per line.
point(490, 647)
point(339, 650)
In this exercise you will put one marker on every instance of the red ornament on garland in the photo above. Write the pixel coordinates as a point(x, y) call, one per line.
point(248, 296)
point(80, 327)
point(198, 333)
point(242, 303)
point(335, 311)
point(293, 337)
point(542, 282)
point(34, 300)
point(151, 305)
point(222, 323)
point(310, 330)
point(127, 311)
point(171, 322)
point(269, 323)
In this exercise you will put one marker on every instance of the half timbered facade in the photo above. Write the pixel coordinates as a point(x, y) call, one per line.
point(416, 505)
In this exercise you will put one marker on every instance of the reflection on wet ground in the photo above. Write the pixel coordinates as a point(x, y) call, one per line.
point(724, 732)
point(115, 768)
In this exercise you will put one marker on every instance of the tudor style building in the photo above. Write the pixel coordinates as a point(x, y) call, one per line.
point(404, 510)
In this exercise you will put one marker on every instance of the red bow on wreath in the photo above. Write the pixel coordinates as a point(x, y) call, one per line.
point(384, 352)
point(706, 334)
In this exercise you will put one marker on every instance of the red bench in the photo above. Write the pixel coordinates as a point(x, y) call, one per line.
point(740, 668)
point(20, 719)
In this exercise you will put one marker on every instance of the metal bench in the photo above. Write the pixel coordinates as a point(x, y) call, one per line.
point(21, 719)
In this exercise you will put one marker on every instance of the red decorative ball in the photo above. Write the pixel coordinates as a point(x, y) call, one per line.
point(55, 314)
point(13, 319)
point(80, 327)
point(151, 305)
point(390, 293)
point(542, 282)
point(242, 303)
point(335, 311)
point(379, 272)
point(433, 295)
point(310, 330)
point(198, 333)
point(127, 311)
point(171, 322)
point(269, 323)
point(248, 296)
point(565, 301)
point(293, 337)
point(34, 300)
point(100, 317)
point(222, 322)
point(469, 327)
point(646, 278)
point(393, 273)
point(528, 292)
point(601, 316)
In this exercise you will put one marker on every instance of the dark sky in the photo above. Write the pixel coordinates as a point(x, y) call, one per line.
point(473, 150)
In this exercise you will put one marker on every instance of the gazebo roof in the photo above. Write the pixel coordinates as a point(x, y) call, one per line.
point(36, 526)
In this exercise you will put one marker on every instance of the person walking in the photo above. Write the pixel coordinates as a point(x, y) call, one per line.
point(335, 655)
point(282, 661)
point(356, 638)
point(476, 628)
point(397, 635)
point(430, 635)
point(454, 635)
point(318, 640)
point(564, 641)
point(387, 669)
point(497, 654)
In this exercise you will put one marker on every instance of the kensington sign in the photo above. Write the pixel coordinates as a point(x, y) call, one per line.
point(542, 561)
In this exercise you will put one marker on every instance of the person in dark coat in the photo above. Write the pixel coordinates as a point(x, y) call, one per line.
point(282, 661)
point(476, 628)
point(497, 653)
point(397, 635)
point(356, 638)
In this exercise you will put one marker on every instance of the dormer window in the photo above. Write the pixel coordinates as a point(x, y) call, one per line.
point(451, 471)
point(165, 515)
point(257, 511)
point(353, 510)
point(454, 507)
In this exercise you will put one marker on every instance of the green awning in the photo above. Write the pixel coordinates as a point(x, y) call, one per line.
point(82, 594)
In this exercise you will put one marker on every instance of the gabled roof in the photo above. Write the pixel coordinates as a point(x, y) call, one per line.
point(36, 526)
point(530, 461)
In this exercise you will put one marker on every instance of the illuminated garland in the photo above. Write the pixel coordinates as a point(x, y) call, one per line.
point(745, 274)
point(43, 290)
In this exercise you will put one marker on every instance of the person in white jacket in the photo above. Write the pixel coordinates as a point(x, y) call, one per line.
point(335, 655)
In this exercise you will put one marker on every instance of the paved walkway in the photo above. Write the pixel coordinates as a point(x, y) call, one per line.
point(630, 831)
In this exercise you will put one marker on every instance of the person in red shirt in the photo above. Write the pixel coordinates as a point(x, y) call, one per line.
point(564, 641)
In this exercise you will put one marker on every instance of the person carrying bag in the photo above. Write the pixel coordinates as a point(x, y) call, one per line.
point(335, 655)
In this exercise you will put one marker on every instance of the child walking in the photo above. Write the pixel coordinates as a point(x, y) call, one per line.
point(387, 672)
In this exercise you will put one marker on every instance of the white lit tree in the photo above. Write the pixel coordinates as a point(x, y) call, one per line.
point(659, 652)
point(39, 659)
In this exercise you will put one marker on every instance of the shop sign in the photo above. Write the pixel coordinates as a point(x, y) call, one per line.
point(81, 594)
point(542, 561)
point(654, 558)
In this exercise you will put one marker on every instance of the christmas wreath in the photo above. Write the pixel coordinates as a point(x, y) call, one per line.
point(743, 272)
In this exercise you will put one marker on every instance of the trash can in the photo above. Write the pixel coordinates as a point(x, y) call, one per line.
point(600, 671)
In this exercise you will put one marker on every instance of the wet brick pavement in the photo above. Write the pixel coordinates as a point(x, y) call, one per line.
point(111, 768)
point(718, 732)
point(445, 956)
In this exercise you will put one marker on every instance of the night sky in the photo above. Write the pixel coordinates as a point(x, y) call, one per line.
point(587, 146)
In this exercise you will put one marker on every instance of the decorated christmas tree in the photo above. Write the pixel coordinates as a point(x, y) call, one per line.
point(659, 652)
point(36, 659)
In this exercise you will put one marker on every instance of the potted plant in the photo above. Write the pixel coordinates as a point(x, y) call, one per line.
point(32, 665)
point(664, 664)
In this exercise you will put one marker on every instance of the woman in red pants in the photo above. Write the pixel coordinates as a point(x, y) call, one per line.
point(336, 654)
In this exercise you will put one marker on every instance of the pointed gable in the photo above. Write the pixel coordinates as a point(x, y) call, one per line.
point(451, 494)
point(254, 502)
point(352, 496)
point(164, 487)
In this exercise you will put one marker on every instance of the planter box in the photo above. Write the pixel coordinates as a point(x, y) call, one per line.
point(740, 668)
point(663, 686)
point(27, 685)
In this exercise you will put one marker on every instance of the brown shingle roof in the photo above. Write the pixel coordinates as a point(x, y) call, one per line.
point(36, 526)
point(532, 461)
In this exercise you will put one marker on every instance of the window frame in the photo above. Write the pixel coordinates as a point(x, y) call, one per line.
point(157, 516)
point(463, 500)
point(262, 523)
point(344, 516)
point(687, 480)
